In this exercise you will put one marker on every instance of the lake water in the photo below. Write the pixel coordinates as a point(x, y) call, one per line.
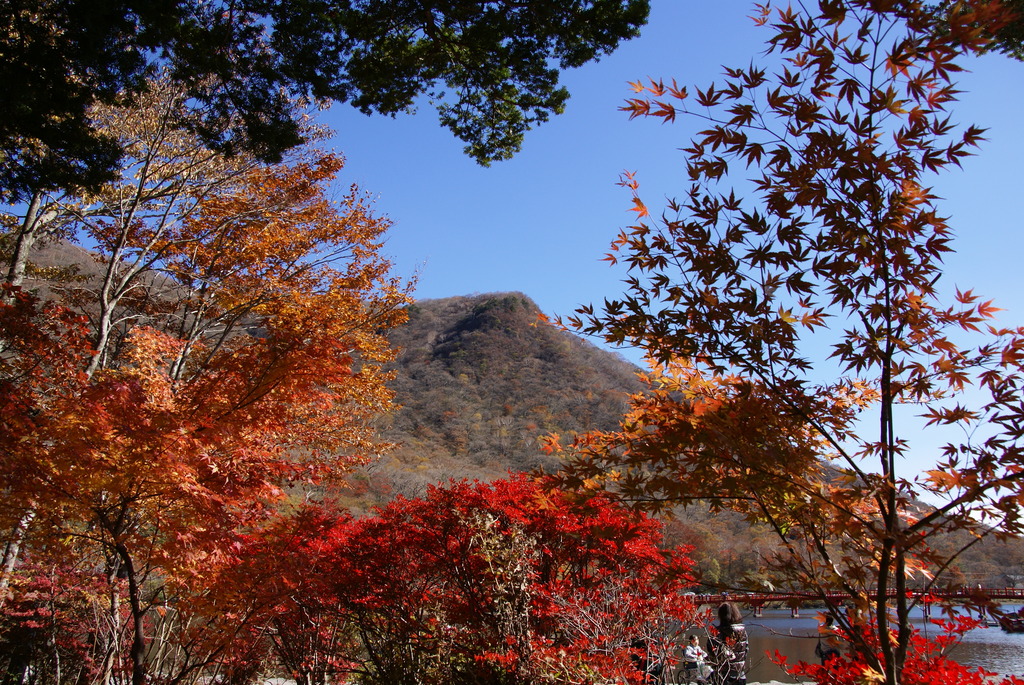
point(989, 648)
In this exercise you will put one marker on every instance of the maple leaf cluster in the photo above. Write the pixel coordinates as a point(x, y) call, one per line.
point(792, 306)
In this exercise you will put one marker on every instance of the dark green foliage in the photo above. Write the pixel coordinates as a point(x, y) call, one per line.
point(1010, 38)
point(57, 59)
point(1007, 38)
point(491, 68)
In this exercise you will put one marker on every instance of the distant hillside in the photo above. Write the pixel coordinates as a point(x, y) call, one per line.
point(480, 379)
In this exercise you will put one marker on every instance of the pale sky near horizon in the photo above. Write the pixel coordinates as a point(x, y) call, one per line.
point(541, 223)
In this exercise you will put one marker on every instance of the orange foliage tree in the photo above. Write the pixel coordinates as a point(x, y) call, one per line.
point(795, 319)
point(227, 347)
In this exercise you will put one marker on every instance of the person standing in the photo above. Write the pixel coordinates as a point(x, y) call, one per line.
point(728, 647)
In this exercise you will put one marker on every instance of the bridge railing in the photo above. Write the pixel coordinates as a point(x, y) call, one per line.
point(795, 598)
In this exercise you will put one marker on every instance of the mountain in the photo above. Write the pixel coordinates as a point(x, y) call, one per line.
point(480, 379)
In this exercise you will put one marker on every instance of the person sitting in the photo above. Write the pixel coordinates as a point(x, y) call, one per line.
point(694, 668)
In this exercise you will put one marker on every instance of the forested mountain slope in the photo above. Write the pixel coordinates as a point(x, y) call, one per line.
point(480, 379)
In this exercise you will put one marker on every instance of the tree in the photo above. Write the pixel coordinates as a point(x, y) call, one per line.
point(263, 609)
point(233, 348)
point(1007, 36)
point(172, 171)
point(48, 629)
point(487, 67)
point(503, 582)
point(1010, 38)
point(795, 321)
point(44, 350)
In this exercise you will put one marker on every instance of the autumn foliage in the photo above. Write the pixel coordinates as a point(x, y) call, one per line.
point(505, 582)
point(793, 306)
point(48, 624)
point(180, 412)
point(175, 418)
point(225, 353)
point(926, 663)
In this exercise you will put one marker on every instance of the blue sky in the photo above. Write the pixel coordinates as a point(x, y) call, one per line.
point(541, 222)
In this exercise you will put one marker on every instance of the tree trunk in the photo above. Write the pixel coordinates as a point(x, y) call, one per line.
point(138, 651)
point(113, 646)
point(12, 551)
point(32, 227)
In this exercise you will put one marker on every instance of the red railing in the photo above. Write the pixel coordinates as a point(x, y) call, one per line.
point(796, 598)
